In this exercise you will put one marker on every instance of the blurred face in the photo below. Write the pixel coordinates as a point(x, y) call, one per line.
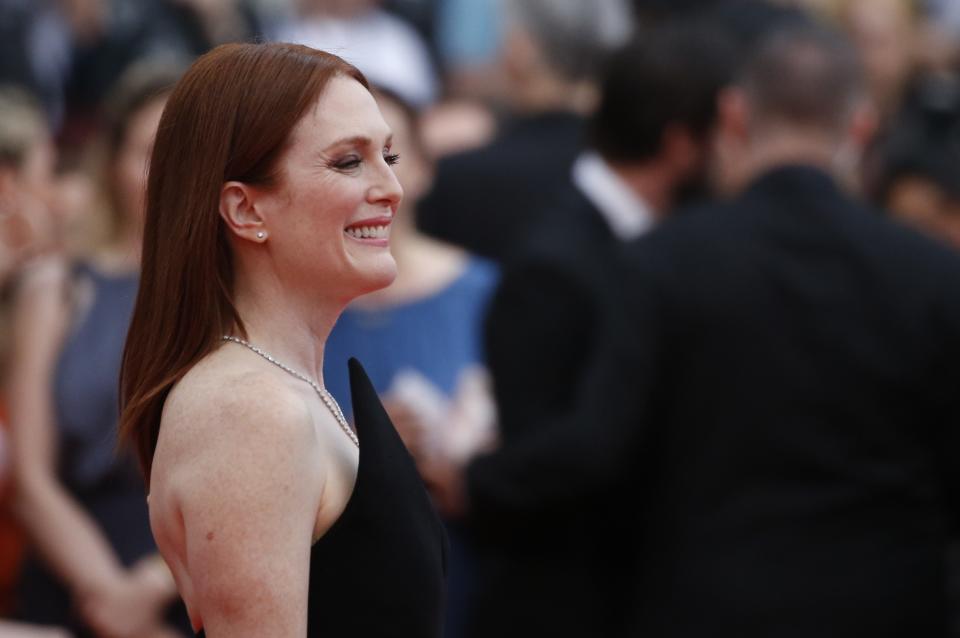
point(130, 167)
point(26, 219)
point(329, 219)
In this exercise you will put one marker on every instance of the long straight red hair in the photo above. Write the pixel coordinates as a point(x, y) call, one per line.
point(228, 119)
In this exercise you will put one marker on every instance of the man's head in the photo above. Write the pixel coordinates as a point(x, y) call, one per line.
point(658, 106)
point(800, 98)
point(805, 77)
point(553, 46)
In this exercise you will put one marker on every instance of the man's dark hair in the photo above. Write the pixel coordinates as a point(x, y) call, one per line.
point(671, 75)
point(807, 75)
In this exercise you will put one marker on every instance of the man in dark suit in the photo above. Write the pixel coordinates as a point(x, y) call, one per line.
point(550, 574)
point(799, 385)
point(553, 51)
point(782, 410)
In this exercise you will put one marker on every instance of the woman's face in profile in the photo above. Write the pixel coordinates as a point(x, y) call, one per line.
point(329, 219)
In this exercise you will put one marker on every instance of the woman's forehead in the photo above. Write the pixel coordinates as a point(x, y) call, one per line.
point(345, 110)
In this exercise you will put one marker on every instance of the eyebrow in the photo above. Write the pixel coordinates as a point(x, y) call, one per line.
point(356, 140)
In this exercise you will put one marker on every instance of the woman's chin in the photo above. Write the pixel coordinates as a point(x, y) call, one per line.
point(380, 275)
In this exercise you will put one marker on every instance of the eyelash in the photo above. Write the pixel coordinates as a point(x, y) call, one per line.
point(352, 163)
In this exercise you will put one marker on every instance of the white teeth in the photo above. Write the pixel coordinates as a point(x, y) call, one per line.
point(367, 232)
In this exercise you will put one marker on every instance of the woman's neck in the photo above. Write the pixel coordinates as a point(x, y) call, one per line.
point(291, 328)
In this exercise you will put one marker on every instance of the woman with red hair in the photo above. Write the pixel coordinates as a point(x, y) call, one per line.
point(269, 205)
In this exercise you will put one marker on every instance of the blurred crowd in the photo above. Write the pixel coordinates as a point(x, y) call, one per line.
point(504, 113)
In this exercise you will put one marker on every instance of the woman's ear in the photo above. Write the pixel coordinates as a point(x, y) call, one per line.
point(238, 209)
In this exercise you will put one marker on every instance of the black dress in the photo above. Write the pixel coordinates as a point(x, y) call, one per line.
point(379, 571)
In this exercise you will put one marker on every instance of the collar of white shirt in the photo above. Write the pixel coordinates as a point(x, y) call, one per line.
point(625, 212)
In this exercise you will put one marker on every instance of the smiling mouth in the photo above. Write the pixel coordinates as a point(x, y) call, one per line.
point(368, 232)
point(373, 230)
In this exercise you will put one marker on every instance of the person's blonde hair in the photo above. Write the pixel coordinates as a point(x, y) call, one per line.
point(22, 125)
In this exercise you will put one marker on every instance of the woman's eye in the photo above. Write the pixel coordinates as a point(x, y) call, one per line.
point(391, 158)
point(347, 163)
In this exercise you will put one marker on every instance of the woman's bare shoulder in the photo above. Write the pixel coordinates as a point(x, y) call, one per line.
point(235, 490)
point(226, 410)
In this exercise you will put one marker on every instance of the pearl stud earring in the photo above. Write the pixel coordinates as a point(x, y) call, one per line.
point(261, 234)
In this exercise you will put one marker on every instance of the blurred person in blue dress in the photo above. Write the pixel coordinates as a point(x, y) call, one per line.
point(420, 338)
point(94, 566)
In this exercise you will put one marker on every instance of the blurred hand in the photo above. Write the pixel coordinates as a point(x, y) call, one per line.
point(444, 478)
point(130, 607)
point(409, 424)
point(444, 435)
point(418, 409)
point(471, 421)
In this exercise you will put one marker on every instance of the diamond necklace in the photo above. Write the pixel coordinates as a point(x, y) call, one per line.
point(325, 396)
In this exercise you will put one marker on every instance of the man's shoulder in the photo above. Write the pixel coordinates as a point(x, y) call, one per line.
point(897, 247)
point(707, 226)
point(567, 233)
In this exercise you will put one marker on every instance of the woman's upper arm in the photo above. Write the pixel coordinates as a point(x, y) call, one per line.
point(249, 495)
point(40, 321)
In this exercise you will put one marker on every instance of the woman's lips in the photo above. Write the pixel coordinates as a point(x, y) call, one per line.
point(374, 231)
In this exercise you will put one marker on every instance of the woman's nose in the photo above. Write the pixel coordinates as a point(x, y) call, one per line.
point(387, 189)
